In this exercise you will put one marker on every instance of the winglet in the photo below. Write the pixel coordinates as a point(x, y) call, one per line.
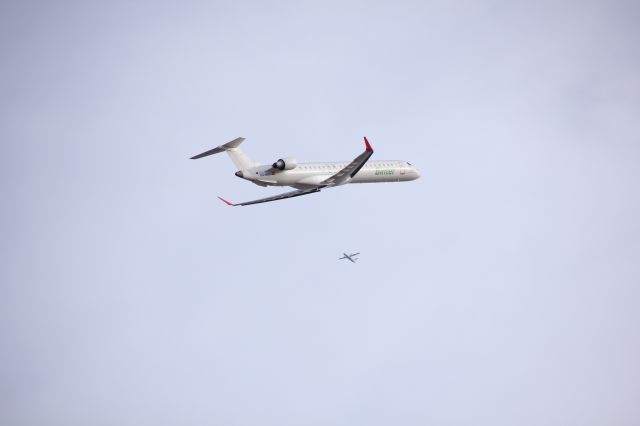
point(366, 142)
point(226, 202)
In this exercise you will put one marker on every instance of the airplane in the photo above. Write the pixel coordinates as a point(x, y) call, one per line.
point(308, 178)
point(350, 257)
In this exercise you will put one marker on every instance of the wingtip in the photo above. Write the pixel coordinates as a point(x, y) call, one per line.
point(225, 201)
point(367, 144)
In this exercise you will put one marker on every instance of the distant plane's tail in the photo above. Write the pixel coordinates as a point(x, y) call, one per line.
point(238, 157)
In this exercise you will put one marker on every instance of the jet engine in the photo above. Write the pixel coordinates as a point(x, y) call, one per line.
point(285, 164)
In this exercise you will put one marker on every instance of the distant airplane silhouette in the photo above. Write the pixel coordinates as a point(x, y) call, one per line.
point(350, 257)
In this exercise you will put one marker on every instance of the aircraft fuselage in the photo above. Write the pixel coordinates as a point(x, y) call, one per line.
point(306, 175)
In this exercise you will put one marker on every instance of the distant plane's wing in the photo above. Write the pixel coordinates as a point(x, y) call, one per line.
point(275, 197)
point(347, 173)
point(355, 254)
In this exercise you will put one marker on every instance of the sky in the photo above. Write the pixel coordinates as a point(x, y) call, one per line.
point(500, 288)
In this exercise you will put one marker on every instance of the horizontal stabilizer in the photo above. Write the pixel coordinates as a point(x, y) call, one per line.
point(227, 146)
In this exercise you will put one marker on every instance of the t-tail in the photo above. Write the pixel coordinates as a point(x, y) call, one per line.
point(239, 158)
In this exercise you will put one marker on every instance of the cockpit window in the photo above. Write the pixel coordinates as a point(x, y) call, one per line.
point(409, 163)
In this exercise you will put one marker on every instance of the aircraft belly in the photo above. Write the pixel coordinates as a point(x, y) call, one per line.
point(313, 180)
point(264, 182)
point(279, 180)
point(286, 179)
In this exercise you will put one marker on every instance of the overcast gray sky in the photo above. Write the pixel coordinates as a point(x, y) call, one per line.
point(501, 288)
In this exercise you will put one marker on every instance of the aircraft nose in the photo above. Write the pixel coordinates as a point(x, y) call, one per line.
point(416, 173)
point(239, 174)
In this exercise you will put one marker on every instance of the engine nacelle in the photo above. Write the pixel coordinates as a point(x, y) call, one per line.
point(285, 164)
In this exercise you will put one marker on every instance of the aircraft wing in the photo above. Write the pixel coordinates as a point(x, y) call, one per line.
point(275, 197)
point(345, 175)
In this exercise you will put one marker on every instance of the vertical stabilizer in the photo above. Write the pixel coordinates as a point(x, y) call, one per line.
point(240, 159)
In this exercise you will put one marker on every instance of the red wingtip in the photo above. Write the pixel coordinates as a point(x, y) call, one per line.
point(226, 202)
point(366, 142)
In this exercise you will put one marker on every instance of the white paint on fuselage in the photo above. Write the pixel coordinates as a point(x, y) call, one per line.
point(312, 174)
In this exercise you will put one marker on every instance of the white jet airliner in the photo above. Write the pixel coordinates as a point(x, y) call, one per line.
point(308, 178)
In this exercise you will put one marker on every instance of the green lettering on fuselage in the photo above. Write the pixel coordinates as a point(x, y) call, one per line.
point(385, 172)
